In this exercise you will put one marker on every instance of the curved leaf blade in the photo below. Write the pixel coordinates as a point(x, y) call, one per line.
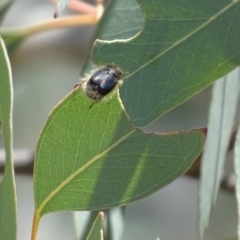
point(89, 159)
point(8, 221)
point(183, 48)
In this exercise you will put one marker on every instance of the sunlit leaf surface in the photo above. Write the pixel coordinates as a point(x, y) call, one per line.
point(93, 159)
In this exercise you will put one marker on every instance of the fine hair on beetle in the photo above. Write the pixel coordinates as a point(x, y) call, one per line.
point(102, 83)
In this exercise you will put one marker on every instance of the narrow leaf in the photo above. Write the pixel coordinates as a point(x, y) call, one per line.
point(221, 118)
point(96, 232)
point(7, 185)
point(83, 223)
point(182, 48)
point(114, 223)
point(237, 171)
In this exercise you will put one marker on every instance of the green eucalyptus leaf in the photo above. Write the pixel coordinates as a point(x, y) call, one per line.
point(90, 159)
point(223, 107)
point(8, 221)
point(96, 233)
point(183, 47)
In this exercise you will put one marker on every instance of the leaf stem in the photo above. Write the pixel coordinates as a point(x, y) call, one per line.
point(36, 219)
point(87, 19)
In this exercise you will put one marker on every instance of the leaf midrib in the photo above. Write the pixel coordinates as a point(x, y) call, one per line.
point(79, 171)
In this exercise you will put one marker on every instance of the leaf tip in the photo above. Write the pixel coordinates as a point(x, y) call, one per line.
point(101, 214)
